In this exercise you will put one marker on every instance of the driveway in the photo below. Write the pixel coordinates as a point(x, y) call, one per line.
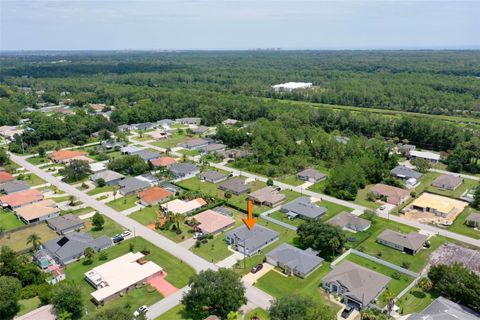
point(163, 286)
point(388, 208)
point(253, 277)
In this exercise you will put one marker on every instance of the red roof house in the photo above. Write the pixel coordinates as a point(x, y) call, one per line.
point(163, 162)
point(153, 195)
point(5, 177)
point(62, 155)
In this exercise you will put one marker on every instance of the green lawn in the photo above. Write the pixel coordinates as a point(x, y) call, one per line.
point(415, 300)
point(98, 190)
point(18, 239)
point(36, 160)
point(395, 286)
point(281, 216)
point(33, 179)
point(332, 209)
point(27, 305)
point(362, 199)
point(110, 228)
point(9, 220)
point(190, 153)
point(370, 246)
point(178, 274)
point(259, 313)
point(123, 203)
point(290, 179)
point(466, 185)
point(172, 141)
point(80, 211)
point(61, 199)
point(176, 313)
point(459, 225)
point(426, 181)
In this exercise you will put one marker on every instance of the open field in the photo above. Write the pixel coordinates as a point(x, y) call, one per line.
point(9, 220)
point(290, 179)
point(172, 141)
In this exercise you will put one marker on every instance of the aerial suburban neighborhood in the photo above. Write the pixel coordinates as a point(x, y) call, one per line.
point(253, 184)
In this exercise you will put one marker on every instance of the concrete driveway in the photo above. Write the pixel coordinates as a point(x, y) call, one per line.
point(253, 277)
point(388, 208)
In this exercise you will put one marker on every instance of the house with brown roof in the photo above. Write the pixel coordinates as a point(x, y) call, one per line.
point(311, 175)
point(162, 162)
point(6, 176)
point(237, 186)
point(66, 224)
point(409, 243)
point(212, 222)
point(268, 196)
point(20, 199)
point(447, 182)
point(38, 211)
point(153, 196)
point(62, 155)
point(390, 194)
point(347, 220)
point(473, 220)
point(80, 158)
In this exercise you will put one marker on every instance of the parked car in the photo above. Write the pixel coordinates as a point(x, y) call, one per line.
point(383, 207)
point(257, 268)
point(117, 238)
point(141, 310)
point(198, 235)
point(126, 233)
point(346, 312)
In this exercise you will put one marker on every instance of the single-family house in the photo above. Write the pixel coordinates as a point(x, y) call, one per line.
point(183, 206)
point(62, 155)
point(21, 198)
point(6, 176)
point(79, 158)
point(294, 261)
point(46, 312)
point(132, 185)
point(143, 126)
point(251, 241)
point(350, 221)
point(291, 86)
point(236, 186)
point(9, 132)
point(404, 149)
point(426, 155)
point(124, 128)
point(213, 148)
point(98, 167)
point(153, 195)
point(311, 175)
point(111, 144)
point(405, 173)
point(342, 139)
point(213, 176)
point(229, 122)
point(390, 194)
point(131, 149)
point(110, 177)
point(444, 309)
point(159, 134)
point(183, 170)
point(212, 222)
point(13, 186)
point(447, 182)
point(409, 243)
point(268, 196)
point(146, 154)
point(357, 285)
point(194, 144)
point(120, 275)
point(162, 162)
point(66, 224)
point(169, 186)
point(303, 208)
point(166, 123)
point(473, 220)
point(237, 153)
point(195, 121)
point(70, 247)
point(200, 130)
point(436, 204)
point(38, 211)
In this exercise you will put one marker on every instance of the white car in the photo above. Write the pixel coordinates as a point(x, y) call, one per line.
point(197, 235)
point(383, 207)
point(141, 310)
point(126, 233)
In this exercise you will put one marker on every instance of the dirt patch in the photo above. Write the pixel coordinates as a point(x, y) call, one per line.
point(450, 253)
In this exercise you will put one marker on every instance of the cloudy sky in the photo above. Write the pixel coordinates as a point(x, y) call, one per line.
point(225, 24)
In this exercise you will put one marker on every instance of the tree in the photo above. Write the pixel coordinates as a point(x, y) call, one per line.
point(67, 296)
point(4, 159)
point(295, 307)
point(476, 198)
point(233, 315)
point(89, 253)
point(101, 182)
point(269, 182)
point(42, 152)
point(103, 255)
point(227, 195)
point(76, 170)
point(425, 284)
point(71, 200)
point(9, 295)
point(98, 221)
point(389, 297)
point(35, 240)
point(421, 165)
point(318, 236)
point(65, 315)
point(9, 263)
point(214, 292)
point(112, 314)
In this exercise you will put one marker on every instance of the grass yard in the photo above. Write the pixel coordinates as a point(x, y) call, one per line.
point(27, 305)
point(172, 141)
point(395, 286)
point(290, 179)
point(459, 225)
point(281, 216)
point(123, 203)
point(415, 263)
point(110, 228)
point(9, 220)
point(190, 153)
point(259, 313)
point(176, 313)
point(426, 181)
point(61, 199)
point(415, 300)
point(178, 274)
point(98, 190)
point(18, 240)
point(466, 185)
point(36, 160)
point(362, 199)
point(32, 179)
point(80, 211)
point(332, 209)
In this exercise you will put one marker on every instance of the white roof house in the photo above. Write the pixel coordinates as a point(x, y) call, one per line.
point(290, 86)
point(427, 155)
point(119, 274)
point(182, 207)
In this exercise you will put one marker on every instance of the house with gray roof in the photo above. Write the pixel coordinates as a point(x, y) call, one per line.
point(213, 176)
point(183, 170)
point(409, 243)
point(146, 154)
point(166, 123)
point(405, 173)
point(70, 247)
point(268, 196)
point(311, 175)
point(303, 208)
point(194, 144)
point(294, 261)
point(132, 185)
point(130, 149)
point(447, 182)
point(112, 144)
point(251, 241)
point(212, 148)
point(124, 128)
point(237, 186)
point(473, 220)
point(110, 177)
point(200, 130)
point(347, 220)
point(13, 186)
point(144, 126)
point(66, 224)
point(190, 120)
point(444, 309)
point(169, 186)
point(357, 285)
point(223, 210)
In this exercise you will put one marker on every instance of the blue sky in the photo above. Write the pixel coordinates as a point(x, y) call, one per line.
point(208, 24)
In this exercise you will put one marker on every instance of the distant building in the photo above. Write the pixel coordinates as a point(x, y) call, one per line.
point(236, 186)
point(212, 222)
point(213, 176)
point(182, 206)
point(473, 220)
point(62, 155)
point(146, 155)
point(21, 198)
point(405, 173)
point(132, 185)
point(13, 186)
point(162, 162)
point(183, 170)
point(195, 121)
point(291, 86)
point(390, 194)
point(66, 224)
point(110, 177)
point(311, 175)
point(130, 149)
point(229, 122)
point(426, 155)
point(38, 211)
point(213, 148)
point(153, 196)
point(194, 144)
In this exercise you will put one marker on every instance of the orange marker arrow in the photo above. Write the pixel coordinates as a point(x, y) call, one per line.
point(249, 221)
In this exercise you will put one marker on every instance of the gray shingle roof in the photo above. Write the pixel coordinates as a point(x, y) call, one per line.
point(448, 181)
point(413, 240)
point(475, 217)
point(345, 219)
point(130, 185)
point(405, 172)
point(65, 222)
point(213, 147)
point(253, 238)
point(212, 175)
point(311, 173)
point(302, 261)
point(182, 168)
point(194, 143)
point(146, 154)
point(130, 149)
point(444, 309)
point(75, 243)
point(14, 186)
point(302, 206)
point(235, 185)
point(362, 284)
point(107, 175)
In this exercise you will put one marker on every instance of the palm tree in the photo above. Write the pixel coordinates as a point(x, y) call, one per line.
point(35, 240)
point(389, 296)
point(334, 243)
point(89, 253)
